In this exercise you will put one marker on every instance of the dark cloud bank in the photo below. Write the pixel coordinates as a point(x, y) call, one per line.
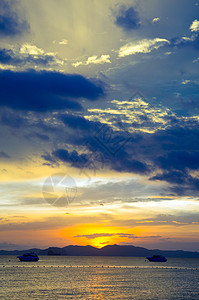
point(46, 91)
point(170, 155)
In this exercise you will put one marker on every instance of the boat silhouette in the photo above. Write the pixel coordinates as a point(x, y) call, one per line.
point(157, 258)
point(28, 257)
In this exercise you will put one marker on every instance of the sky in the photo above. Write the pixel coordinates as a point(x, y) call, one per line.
point(99, 120)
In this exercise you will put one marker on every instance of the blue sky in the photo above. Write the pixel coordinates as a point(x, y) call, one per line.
point(105, 93)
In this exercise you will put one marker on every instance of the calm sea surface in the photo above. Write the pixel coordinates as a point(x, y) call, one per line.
point(56, 277)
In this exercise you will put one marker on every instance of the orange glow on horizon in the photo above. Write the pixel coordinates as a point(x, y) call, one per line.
point(97, 235)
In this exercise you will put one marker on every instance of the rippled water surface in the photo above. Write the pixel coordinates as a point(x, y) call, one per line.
point(55, 277)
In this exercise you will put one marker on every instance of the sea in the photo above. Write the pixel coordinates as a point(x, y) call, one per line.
point(90, 277)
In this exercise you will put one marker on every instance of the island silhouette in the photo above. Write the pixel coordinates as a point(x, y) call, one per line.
point(109, 250)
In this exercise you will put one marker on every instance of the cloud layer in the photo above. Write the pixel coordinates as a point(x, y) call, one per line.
point(45, 91)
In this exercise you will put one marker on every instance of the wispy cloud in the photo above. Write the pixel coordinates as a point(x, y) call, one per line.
point(121, 235)
point(97, 60)
point(94, 235)
point(143, 46)
point(195, 26)
point(63, 42)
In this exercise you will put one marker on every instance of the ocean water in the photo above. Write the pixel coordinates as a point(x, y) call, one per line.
point(56, 277)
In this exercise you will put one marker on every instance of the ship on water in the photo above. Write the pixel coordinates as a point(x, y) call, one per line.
point(28, 257)
point(157, 258)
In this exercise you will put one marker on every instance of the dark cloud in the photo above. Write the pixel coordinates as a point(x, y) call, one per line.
point(4, 155)
point(77, 122)
point(129, 164)
point(158, 154)
point(10, 22)
point(179, 160)
point(127, 18)
point(180, 42)
point(42, 60)
point(145, 153)
point(49, 158)
point(174, 177)
point(99, 145)
point(74, 158)
point(175, 152)
point(8, 57)
point(45, 91)
point(182, 183)
point(184, 136)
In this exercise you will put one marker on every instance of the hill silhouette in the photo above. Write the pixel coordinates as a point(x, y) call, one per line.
point(110, 250)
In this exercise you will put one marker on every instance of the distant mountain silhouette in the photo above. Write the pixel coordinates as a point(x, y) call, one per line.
point(110, 250)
